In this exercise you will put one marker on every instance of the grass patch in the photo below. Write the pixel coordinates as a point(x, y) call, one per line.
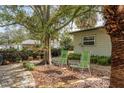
point(28, 65)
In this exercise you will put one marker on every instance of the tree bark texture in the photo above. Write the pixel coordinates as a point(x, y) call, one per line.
point(47, 52)
point(114, 16)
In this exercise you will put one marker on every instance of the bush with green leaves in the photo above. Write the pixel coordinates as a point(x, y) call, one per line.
point(74, 56)
point(18, 59)
point(93, 59)
point(66, 41)
point(29, 65)
point(35, 54)
point(29, 52)
point(101, 60)
point(11, 50)
point(12, 55)
point(56, 52)
point(109, 60)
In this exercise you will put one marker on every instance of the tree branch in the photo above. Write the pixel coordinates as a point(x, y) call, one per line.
point(38, 12)
point(8, 24)
point(74, 16)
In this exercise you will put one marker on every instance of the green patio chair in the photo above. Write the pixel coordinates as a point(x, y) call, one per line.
point(84, 61)
point(64, 57)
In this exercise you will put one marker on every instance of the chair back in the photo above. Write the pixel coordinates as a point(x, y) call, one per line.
point(64, 56)
point(85, 59)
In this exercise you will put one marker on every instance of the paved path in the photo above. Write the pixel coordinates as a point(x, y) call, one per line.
point(15, 76)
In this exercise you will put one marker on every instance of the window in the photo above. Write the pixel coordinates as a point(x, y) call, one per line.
point(89, 40)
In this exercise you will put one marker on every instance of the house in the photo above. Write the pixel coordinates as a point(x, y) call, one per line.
point(30, 43)
point(8, 46)
point(95, 40)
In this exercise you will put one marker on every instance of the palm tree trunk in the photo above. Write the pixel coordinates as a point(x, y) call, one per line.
point(117, 66)
point(115, 27)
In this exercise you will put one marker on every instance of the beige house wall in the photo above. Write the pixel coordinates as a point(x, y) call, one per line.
point(102, 46)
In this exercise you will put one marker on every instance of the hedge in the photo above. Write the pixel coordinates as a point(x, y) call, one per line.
point(101, 60)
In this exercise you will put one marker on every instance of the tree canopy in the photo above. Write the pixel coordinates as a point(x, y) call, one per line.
point(89, 19)
point(42, 19)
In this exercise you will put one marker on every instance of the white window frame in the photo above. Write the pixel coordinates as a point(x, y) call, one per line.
point(82, 41)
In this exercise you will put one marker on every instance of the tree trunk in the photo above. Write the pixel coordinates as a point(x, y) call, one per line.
point(47, 53)
point(117, 66)
point(115, 27)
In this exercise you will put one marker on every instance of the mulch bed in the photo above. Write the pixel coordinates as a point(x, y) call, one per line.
point(63, 77)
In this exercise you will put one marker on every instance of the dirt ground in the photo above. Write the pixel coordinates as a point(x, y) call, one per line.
point(44, 76)
point(64, 77)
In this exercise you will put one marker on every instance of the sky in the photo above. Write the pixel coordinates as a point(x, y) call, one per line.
point(2, 29)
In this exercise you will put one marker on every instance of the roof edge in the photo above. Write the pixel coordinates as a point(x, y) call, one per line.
point(77, 31)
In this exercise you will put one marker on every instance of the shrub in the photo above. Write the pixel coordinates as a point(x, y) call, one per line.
point(109, 60)
point(18, 59)
point(74, 56)
point(41, 54)
point(56, 52)
point(103, 60)
point(29, 65)
point(38, 53)
point(29, 52)
point(24, 55)
point(35, 54)
point(12, 55)
point(93, 59)
point(11, 50)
